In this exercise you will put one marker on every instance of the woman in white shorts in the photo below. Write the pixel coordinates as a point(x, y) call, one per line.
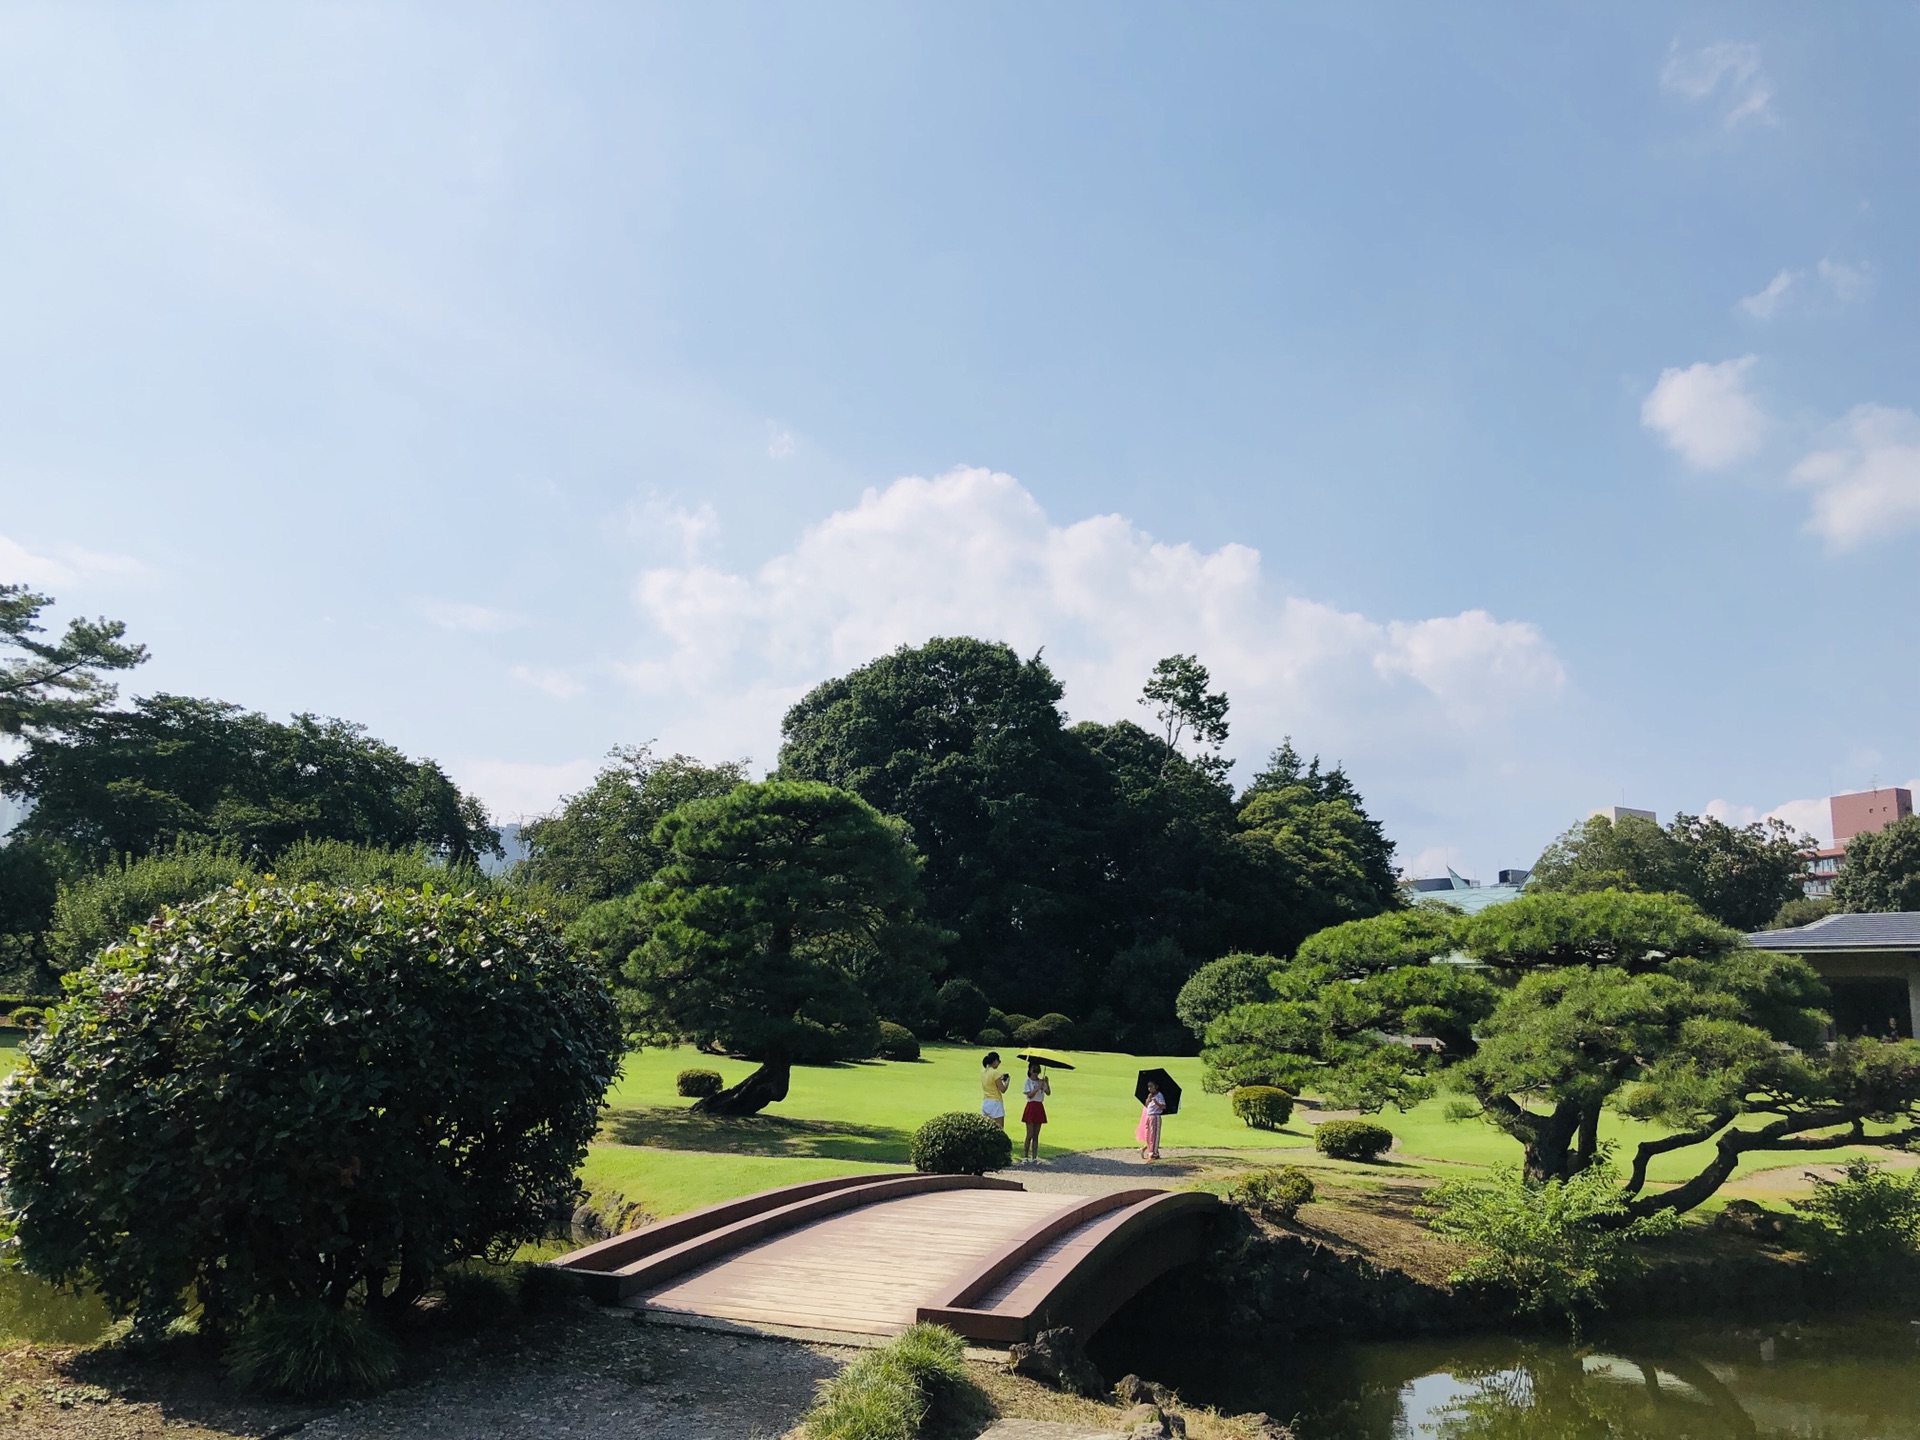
point(993, 1089)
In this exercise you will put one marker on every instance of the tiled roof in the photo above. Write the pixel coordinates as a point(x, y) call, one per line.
point(1898, 930)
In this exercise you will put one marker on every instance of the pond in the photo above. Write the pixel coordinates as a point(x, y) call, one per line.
point(32, 1310)
point(1852, 1379)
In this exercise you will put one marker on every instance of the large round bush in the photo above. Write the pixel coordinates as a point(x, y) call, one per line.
point(304, 1095)
point(896, 1042)
point(960, 1143)
point(1352, 1139)
point(1264, 1107)
point(698, 1084)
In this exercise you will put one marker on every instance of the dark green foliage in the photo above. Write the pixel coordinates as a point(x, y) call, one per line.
point(1050, 1029)
point(601, 844)
point(783, 918)
point(896, 1042)
point(1219, 985)
point(1867, 1218)
point(304, 1095)
point(306, 1350)
point(48, 686)
point(887, 1393)
point(1177, 694)
point(129, 782)
point(473, 1300)
point(1352, 1139)
point(1138, 994)
point(960, 1143)
point(1739, 877)
point(991, 1036)
point(341, 862)
point(694, 1084)
point(547, 1290)
point(1276, 1194)
point(961, 1008)
point(1881, 871)
point(1264, 1107)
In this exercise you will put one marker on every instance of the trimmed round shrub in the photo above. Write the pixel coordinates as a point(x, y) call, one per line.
point(1352, 1139)
point(992, 1036)
point(1264, 1107)
point(304, 1095)
point(896, 1043)
point(1277, 1194)
point(962, 1009)
point(698, 1084)
point(960, 1143)
point(1052, 1028)
point(1013, 1023)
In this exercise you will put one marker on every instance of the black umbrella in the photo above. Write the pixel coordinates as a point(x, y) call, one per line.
point(1046, 1060)
point(1169, 1089)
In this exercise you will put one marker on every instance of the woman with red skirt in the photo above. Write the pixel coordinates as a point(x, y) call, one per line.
point(1036, 1089)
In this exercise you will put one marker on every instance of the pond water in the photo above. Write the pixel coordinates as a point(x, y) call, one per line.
point(1852, 1379)
point(31, 1309)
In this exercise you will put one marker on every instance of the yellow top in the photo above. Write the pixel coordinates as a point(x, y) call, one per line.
point(993, 1084)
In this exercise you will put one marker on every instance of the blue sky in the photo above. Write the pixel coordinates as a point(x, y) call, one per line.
point(1518, 403)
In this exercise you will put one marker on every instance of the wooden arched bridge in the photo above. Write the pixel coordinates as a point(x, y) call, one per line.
point(870, 1254)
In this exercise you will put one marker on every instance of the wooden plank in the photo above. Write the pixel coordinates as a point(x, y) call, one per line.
point(867, 1270)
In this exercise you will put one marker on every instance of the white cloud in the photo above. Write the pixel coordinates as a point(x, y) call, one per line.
point(1705, 413)
point(1728, 72)
point(515, 790)
point(674, 528)
point(782, 445)
point(458, 615)
point(1763, 304)
point(971, 552)
point(1867, 486)
point(1435, 861)
point(64, 565)
point(557, 683)
point(1803, 817)
point(1847, 282)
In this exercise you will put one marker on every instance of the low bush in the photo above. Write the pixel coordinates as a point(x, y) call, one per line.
point(698, 1084)
point(472, 1301)
point(896, 1043)
point(313, 1350)
point(1352, 1139)
point(960, 1143)
point(1277, 1194)
point(1865, 1218)
point(993, 1036)
point(1052, 1028)
point(886, 1394)
point(1264, 1107)
point(1012, 1024)
point(1553, 1246)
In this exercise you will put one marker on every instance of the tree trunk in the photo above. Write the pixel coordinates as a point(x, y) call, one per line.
point(1548, 1148)
point(753, 1094)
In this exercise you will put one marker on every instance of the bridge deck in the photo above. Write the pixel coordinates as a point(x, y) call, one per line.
point(865, 1270)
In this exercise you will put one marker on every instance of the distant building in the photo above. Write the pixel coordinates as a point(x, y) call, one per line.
point(1617, 813)
point(1871, 964)
point(1861, 812)
point(1464, 894)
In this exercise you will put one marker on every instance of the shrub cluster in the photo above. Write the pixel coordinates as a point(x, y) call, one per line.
point(1277, 1194)
point(1352, 1139)
point(698, 1084)
point(885, 1394)
point(1865, 1218)
point(960, 1143)
point(1052, 1028)
point(1264, 1107)
point(896, 1043)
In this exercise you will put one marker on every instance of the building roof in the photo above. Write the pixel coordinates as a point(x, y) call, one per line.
point(1897, 930)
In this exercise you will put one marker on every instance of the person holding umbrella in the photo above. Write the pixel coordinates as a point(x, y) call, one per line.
point(1158, 1095)
point(1036, 1088)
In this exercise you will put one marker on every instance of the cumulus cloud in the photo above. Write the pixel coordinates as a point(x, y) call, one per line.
point(1728, 73)
point(1867, 484)
point(1764, 304)
point(60, 565)
point(971, 552)
point(515, 790)
point(458, 615)
point(556, 683)
point(1803, 817)
point(1705, 413)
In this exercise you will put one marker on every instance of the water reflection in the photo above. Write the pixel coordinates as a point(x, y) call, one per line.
point(1853, 1380)
point(32, 1310)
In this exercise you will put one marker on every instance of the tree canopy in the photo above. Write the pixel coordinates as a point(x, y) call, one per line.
point(48, 685)
point(1555, 1005)
point(782, 924)
point(600, 844)
point(129, 782)
point(1881, 869)
point(1740, 876)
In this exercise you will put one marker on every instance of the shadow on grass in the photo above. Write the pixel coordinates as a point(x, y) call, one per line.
point(674, 1129)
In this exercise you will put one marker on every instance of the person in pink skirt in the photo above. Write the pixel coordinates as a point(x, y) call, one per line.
point(1147, 1132)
